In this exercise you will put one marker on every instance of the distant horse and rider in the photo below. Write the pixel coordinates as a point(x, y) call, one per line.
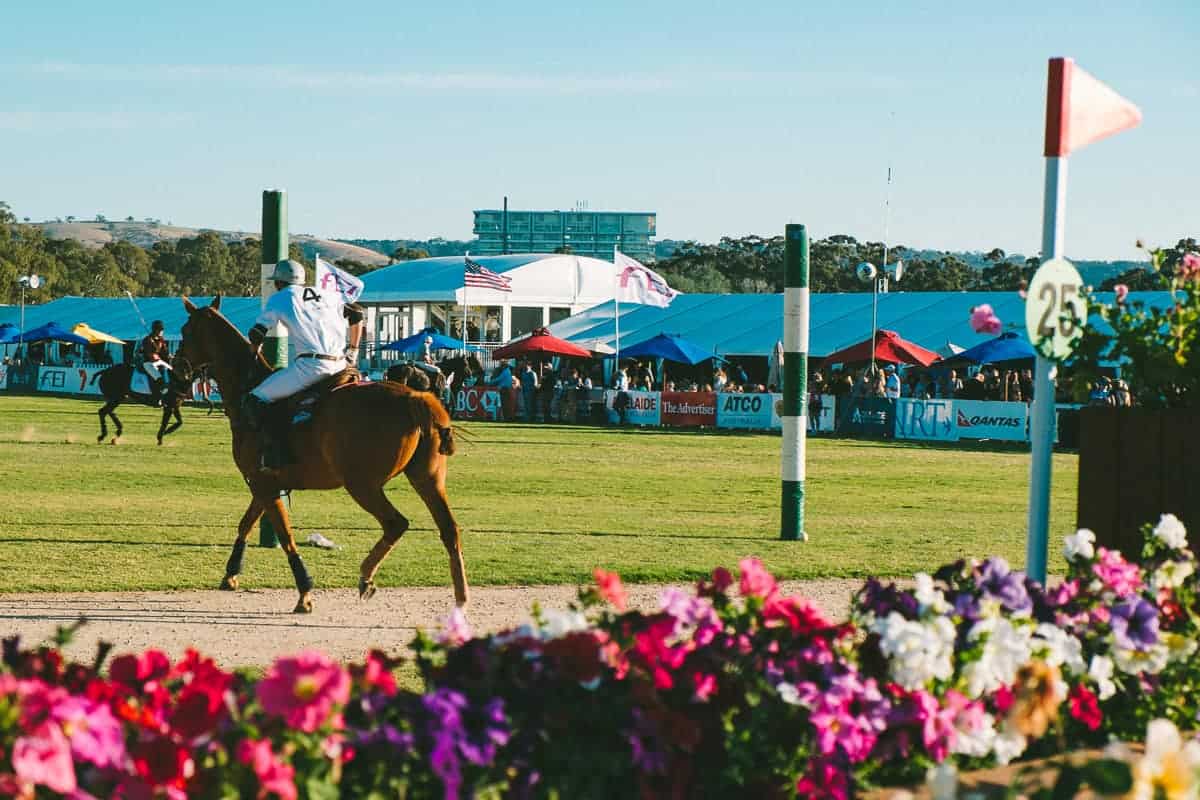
point(313, 425)
point(450, 373)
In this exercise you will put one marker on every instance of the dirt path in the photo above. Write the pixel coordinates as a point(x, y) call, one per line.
point(251, 627)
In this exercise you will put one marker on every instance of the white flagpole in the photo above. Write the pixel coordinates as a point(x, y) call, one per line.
point(466, 309)
point(616, 314)
point(1041, 425)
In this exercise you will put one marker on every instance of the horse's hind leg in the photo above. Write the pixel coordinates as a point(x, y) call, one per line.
point(112, 412)
point(394, 524)
point(104, 411)
point(277, 513)
point(432, 489)
point(233, 567)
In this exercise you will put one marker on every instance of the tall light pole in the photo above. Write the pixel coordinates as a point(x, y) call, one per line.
point(33, 282)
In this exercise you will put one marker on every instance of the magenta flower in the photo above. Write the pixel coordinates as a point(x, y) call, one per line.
point(756, 580)
point(274, 777)
point(1190, 267)
point(984, 320)
point(1122, 291)
point(95, 734)
point(43, 758)
point(304, 689)
point(1117, 574)
point(938, 733)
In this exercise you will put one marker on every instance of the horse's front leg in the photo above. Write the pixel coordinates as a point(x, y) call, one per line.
point(233, 567)
point(104, 409)
point(277, 513)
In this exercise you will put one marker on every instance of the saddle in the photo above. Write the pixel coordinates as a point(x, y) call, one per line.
point(302, 406)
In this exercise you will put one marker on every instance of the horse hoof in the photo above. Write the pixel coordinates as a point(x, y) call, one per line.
point(114, 440)
point(366, 589)
point(229, 583)
point(304, 606)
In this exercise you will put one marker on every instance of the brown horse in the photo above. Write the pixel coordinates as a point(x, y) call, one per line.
point(360, 437)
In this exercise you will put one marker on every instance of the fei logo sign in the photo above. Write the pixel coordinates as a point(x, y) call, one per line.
point(978, 419)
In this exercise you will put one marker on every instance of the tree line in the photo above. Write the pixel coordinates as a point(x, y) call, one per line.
point(206, 265)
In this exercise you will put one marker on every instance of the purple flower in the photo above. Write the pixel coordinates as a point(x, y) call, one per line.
point(1135, 624)
point(1006, 587)
point(881, 600)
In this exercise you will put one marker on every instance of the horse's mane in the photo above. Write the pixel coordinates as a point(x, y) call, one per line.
point(235, 342)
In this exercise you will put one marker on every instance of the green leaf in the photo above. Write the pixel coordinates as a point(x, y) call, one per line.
point(1068, 783)
point(320, 789)
point(1108, 776)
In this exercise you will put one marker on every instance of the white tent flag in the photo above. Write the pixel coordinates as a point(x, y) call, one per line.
point(637, 283)
point(328, 278)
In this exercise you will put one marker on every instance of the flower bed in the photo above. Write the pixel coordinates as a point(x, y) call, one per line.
point(732, 690)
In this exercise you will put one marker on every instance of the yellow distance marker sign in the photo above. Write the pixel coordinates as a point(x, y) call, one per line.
point(1055, 311)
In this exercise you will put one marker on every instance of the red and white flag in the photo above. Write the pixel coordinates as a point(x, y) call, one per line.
point(1081, 110)
point(637, 283)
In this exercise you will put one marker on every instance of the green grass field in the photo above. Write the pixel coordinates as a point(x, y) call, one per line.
point(537, 504)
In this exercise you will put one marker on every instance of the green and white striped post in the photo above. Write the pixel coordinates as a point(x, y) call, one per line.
point(274, 250)
point(795, 381)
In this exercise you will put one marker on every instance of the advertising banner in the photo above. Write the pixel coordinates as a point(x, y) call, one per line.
point(687, 409)
point(928, 420)
point(68, 380)
point(213, 392)
point(3, 377)
point(866, 416)
point(826, 415)
point(982, 419)
point(641, 408)
point(477, 402)
point(749, 411)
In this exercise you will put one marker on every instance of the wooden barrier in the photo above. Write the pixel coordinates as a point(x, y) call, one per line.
point(1135, 464)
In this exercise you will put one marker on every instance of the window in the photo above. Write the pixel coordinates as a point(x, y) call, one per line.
point(525, 319)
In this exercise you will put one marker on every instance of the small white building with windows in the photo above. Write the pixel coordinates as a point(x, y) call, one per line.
point(431, 292)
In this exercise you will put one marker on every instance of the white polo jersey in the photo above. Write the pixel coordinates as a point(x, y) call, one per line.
point(314, 319)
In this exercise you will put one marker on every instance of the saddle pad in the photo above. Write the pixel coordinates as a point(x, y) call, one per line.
point(139, 382)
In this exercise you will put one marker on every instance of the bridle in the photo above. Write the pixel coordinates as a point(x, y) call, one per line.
point(187, 371)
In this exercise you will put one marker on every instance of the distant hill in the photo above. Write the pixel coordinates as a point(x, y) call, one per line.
point(145, 234)
point(436, 246)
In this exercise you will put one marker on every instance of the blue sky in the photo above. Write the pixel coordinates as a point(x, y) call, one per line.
point(391, 119)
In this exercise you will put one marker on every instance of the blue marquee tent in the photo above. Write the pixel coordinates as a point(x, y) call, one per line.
point(1009, 346)
point(52, 331)
point(416, 342)
point(671, 347)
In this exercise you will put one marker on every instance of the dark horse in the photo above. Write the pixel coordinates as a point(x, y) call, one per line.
point(459, 368)
point(114, 385)
point(360, 437)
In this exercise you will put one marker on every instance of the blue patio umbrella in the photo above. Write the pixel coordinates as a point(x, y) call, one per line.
point(8, 333)
point(1009, 346)
point(671, 347)
point(54, 331)
point(416, 342)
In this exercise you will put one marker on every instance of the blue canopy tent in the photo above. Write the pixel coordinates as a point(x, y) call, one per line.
point(671, 347)
point(8, 333)
point(52, 331)
point(416, 342)
point(1009, 346)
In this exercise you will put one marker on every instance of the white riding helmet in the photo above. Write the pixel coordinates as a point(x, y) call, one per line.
point(289, 271)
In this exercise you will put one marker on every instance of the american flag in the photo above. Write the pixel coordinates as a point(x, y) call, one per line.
point(477, 274)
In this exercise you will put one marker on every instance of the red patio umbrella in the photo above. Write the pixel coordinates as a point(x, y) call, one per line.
point(540, 342)
point(890, 348)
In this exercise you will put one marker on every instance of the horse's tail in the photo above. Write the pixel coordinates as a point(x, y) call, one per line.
point(432, 418)
point(97, 375)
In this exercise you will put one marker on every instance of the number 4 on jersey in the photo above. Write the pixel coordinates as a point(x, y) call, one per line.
point(310, 295)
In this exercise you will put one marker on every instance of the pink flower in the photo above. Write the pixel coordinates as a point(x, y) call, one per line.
point(705, 685)
point(722, 580)
point(95, 734)
point(44, 758)
point(304, 689)
point(1190, 267)
point(1122, 291)
point(938, 733)
point(1116, 573)
point(274, 777)
point(457, 629)
point(611, 589)
point(1063, 593)
point(984, 319)
point(756, 581)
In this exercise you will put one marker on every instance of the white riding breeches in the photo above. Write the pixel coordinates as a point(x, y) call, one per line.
point(300, 374)
point(154, 369)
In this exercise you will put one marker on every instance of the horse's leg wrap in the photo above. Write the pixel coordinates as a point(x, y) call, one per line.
point(446, 444)
point(304, 581)
point(233, 566)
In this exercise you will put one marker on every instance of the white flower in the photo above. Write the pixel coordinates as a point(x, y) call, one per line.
point(975, 741)
point(918, 651)
point(1169, 766)
point(1172, 574)
point(928, 597)
point(559, 623)
point(1179, 647)
point(1081, 544)
point(788, 693)
point(1008, 744)
point(1101, 671)
point(1151, 660)
point(1005, 650)
point(1170, 531)
point(1058, 648)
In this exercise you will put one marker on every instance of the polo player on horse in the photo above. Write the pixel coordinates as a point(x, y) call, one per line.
point(316, 323)
point(155, 354)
